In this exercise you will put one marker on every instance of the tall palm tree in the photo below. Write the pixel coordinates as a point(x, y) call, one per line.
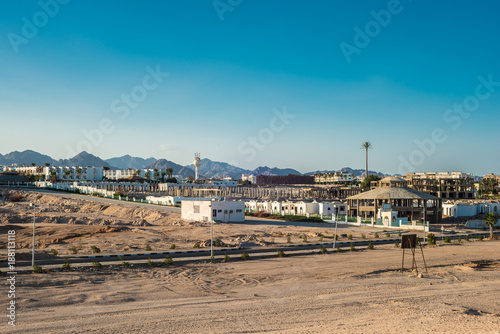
point(366, 145)
point(169, 171)
point(491, 221)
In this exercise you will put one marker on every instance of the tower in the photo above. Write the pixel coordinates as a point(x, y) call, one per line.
point(196, 164)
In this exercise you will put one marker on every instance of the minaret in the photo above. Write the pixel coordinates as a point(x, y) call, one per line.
point(197, 164)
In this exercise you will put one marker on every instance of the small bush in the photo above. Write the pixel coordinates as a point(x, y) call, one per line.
point(172, 246)
point(376, 235)
point(387, 234)
point(323, 250)
point(168, 261)
point(431, 239)
point(447, 240)
point(212, 259)
point(73, 250)
point(217, 242)
point(96, 264)
point(148, 248)
point(54, 252)
point(226, 258)
point(459, 240)
point(480, 238)
point(37, 269)
point(272, 241)
point(150, 262)
point(339, 250)
point(125, 264)
point(396, 244)
point(288, 240)
point(349, 237)
point(245, 256)
point(321, 238)
point(280, 253)
point(66, 265)
point(363, 236)
point(370, 245)
point(399, 233)
point(196, 244)
point(467, 238)
point(95, 249)
point(262, 241)
point(352, 248)
point(304, 238)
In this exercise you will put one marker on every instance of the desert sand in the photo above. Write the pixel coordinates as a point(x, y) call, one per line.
point(349, 292)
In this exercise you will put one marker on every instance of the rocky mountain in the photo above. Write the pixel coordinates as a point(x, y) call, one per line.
point(127, 161)
point(83, 159)
point(163, 164)
point(264, 170)
point(219, 169)
point(25, 157)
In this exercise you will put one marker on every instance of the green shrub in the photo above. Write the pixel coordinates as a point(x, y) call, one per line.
point(212, 259)
point(396, 244)
point(339, 250)
point(370, 245)
point(323, 250)
point(217, 242)
point(168, 261)
point(73, 250)
point(480, 238)
point(125, 264)
point(96, 264)
point(387, 234)
point(226, 258)
point(467, 238)
point(447, 240)
point(244, 256)
point(172, 246)
point(459, 240)
point(148, 248)
point(376, 235)
point(431, 239)
point(352, 248)
point(150, 262)
point(363, 236)
point(196, 244)
point(37, 269)
point(321, 238)
point(349, 237)
point(288, 240)
point(54, 252)
point(399, 233)
point(95, 249)
point(66, 265)
point(304, 238)
point(280, 253)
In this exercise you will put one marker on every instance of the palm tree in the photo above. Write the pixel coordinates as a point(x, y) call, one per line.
point(53, 176)
point(147, 176)
point(33, 164)
point(66, 173)
point(79, 172)
point(169, 171)
point(366, 145)
point(47, 164)
point(491, 221)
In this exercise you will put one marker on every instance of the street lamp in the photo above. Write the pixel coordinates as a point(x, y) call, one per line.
point(34, 220)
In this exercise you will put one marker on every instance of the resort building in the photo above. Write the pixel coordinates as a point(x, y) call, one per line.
point(219, 211)
point(333, 178)
point(492, 176)
point(394, 195)
point(269, 180)
point(46, 173)
point(455, 185)
point(470, 208)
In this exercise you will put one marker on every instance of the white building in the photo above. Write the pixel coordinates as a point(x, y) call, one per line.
point(304, 208)
point(470, 208)
point(326, 208)
point(75, 173)
point(220, 211)
point(250, 178)
point(225, 183)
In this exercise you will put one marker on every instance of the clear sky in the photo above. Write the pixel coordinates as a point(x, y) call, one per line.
point(299, 84)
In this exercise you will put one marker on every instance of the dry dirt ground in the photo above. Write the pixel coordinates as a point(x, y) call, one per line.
point(350, 292)
point(63, 223)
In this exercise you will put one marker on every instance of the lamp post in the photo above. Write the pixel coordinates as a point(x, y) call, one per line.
point(34, 220)
point(335, 235)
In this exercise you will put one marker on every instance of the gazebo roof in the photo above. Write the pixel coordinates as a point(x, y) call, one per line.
point(394, 193)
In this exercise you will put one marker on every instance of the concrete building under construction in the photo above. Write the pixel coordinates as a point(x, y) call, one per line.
point(270, 180)
point(455, 185)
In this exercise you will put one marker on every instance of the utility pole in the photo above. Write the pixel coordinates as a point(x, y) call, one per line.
point(34, 221)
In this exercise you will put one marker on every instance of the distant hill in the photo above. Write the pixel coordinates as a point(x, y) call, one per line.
point(83, 159)
point(216, 169)
point(127, 161)
point(25, 157)
point(163, 164)
point(264, 170)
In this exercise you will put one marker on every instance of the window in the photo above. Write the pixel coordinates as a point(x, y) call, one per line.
point(239, 210)
point(230, 211)
point(219, 210)
point(225, 212)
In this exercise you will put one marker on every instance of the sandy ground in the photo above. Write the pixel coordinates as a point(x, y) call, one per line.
point(351, 292)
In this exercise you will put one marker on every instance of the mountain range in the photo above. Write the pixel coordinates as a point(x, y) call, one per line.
point(208, 168)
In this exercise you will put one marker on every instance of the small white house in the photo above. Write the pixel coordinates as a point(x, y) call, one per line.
point(326, 208)
point(340, 208)
point(304, 208)
point(276, 207)
point(220, 211)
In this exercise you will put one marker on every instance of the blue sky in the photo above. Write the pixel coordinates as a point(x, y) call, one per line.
point(228, 79)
